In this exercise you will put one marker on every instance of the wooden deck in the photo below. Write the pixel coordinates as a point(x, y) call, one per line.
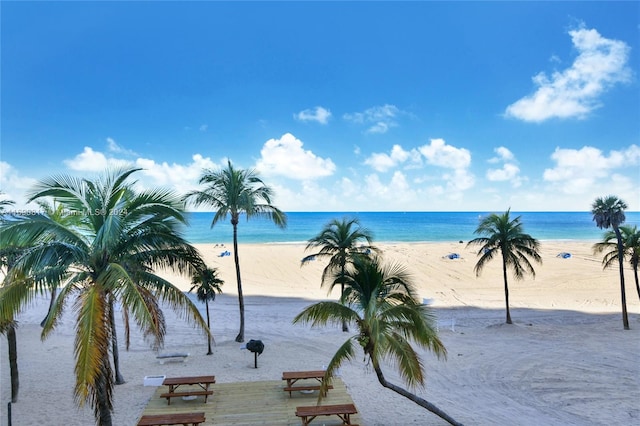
point(253, 403)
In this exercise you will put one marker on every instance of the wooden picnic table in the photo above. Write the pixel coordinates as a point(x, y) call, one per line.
point(344, 411)
point(293, 376)
point(186, 419)
point(202, 382)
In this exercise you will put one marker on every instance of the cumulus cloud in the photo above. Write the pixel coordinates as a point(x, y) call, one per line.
point(379, 119)
point(180, 177)
point(509, 171)
point(287, 157)
point(14, 185)
point(382, 162)
point(503, 154)
point(317, 114)
point(438, 153)
point(574, 92)
point(577, 171)
point(94, 161)
point(455, 161)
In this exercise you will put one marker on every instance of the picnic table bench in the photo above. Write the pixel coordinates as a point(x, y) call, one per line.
point(293, 376)
point(344, 411)
point(186, 419)
point(202, 382)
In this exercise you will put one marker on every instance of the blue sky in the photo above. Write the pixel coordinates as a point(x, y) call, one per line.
point(340, 106)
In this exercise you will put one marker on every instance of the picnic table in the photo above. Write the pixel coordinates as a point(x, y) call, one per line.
point(186, 419)
point(292, 378)
point(202, 389)
point(344, 411)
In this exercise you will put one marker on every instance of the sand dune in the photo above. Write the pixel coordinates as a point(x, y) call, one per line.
point(565, 361)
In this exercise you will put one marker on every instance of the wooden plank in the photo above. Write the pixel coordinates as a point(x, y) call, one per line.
point(252, 403)
point(189, 380)
point(171, 419)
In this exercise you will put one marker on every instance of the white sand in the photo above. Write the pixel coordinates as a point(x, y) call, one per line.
point(565, 361)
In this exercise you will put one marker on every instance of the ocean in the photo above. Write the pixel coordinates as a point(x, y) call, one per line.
point(396, 226)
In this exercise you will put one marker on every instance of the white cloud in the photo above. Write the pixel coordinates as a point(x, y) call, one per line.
point(574, 92)
point(286, 157)
point(317, 114)
point(456, 161)
point(181, 178)
point(379, 118)
point(94, 161)
point(438, 153)
point(579, 171)
point(382, 162)
point(509, 171)
point(113, 146)
point(14, 185)
point(503, 154)
point(203, 127)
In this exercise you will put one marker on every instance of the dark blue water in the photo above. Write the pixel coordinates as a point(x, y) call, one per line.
point(397, 226)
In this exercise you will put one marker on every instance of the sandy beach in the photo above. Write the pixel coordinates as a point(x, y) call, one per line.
point(566, 360)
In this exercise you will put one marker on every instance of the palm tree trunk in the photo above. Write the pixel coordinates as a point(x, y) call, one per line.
point(506, 288)
point(103, 409)
point(625, 317)
point(345, 328)
point(206, 304)
point(13, 362)
point(114, 344)
point(635, 275)
point(420, 401)
point(51, 302)
point(240, 336)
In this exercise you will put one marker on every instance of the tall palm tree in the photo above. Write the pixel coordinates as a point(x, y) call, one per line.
point(503, 235)
point(387, 314)
point(608, 212)
point(233, 192)
point(339, 240)
point(630, 241)
point(206, 283)
point(632, 244)
point(112, 251)
point(8, 256)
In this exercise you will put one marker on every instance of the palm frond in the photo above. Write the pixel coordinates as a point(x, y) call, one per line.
point(323, 313)
point(92, 343)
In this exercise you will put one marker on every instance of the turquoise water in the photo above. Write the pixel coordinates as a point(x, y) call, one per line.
point(397, 226)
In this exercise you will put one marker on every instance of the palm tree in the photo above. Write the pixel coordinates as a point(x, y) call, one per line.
point(58, 214)
point(8, 256)
point(112, 251)
point(206, 283)
point(631, 242)
point(339, 240)
point(608, 212)
point(234, 192)
point(506, 236)
point(387, 314)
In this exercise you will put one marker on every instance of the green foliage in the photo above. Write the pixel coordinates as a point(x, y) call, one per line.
point(232, 192)
point(339, 241)
point(608, 212)
point(110, 246)
point(505, 236)
point(206, 284)
point(381, 301)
